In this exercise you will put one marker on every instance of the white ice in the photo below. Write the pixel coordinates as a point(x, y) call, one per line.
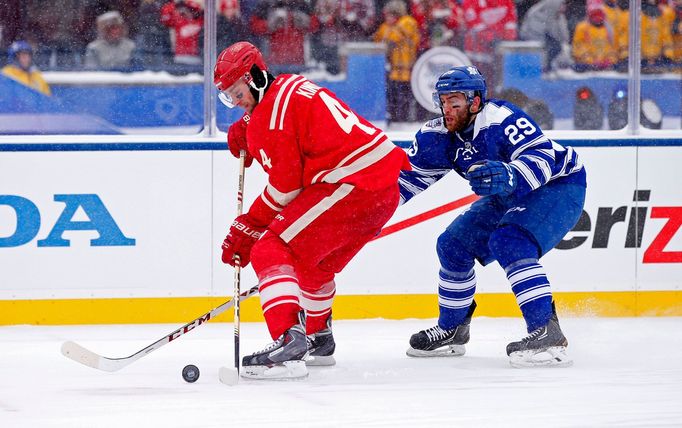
point(627, 373)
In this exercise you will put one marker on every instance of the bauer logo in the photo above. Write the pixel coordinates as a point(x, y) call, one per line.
point(428, 67)
point(28, 222)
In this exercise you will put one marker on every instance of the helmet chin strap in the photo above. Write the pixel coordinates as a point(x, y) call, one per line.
point(260, 92)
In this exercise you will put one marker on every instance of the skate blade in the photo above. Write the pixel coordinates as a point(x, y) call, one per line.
point(550, 357)
point(313, 360)
point(447, 351)
point(284, 371)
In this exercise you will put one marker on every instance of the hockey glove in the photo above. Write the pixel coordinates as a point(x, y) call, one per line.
point(491, 178)
point(242, 236)
point(236, 139)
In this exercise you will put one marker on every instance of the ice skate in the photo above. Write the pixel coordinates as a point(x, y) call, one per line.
point(543, 347)
point(321, 347)
point(282, 359)
point(437, 342)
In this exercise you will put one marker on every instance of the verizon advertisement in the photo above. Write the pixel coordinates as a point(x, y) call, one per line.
point(100, 224)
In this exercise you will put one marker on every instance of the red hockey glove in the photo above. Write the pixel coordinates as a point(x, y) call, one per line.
point(236, 139)
point(242, 236)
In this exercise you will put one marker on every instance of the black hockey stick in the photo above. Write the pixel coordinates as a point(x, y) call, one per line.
point(86, 357)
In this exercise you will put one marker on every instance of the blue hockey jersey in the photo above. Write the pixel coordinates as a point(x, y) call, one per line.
point(501, 132)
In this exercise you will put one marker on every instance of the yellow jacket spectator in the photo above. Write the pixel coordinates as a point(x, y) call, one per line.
point(21, 68)
point(594, 45)
point(400, 33)
point(656, 34)
point(676, 26)
point(618, 17)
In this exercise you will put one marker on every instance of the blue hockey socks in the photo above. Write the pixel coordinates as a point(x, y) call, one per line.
point(518, 255)
point(532, 290)
point(455, 294)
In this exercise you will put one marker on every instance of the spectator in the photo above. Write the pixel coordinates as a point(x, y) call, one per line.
point(112, 49)
point(230, 26)
point(576, 11)
point(441, 22)
point(545, 22)
point(330, 34)
point(21, 68)
point(400, 33)
point(677, 32)
point(284, 26)
point(657, 49)
point(357, 19)
point(185, 18)
point(60, 38)
point(340, 22)
point(618, 17)
point(594, 46)
point(488, 22)
point(153, 38)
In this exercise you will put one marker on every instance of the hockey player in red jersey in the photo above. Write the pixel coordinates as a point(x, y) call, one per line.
point(332, 185)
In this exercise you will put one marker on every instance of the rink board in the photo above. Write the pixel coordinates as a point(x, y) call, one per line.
point(113, 230)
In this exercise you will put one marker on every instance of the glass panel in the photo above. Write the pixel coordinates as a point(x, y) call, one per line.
point(136, 66)
point(103, 67)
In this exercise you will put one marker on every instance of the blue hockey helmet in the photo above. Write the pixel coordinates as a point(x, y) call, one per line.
point(465, 79)
point(16, 47)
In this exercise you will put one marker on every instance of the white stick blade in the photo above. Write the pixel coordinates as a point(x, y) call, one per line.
point(88, 358)
point(80, 355)
point(228, 375)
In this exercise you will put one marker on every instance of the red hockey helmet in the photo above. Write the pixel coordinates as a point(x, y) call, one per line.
point(235, 63)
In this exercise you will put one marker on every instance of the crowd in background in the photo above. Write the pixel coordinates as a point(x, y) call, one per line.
point(120, 34)
point(129, 35)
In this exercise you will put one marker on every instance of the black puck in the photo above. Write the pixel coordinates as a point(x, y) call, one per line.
point(190, 373)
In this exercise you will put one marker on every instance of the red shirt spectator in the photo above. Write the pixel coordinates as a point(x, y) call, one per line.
point(186, 19)
point(440, 22)
point(284, 24)
point(487, 21)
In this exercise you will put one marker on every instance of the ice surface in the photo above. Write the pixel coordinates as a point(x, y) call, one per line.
point(627, 373)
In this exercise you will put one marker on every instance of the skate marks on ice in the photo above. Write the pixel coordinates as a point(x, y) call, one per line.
point(626, 372)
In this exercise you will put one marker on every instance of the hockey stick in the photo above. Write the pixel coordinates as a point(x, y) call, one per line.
point(227, 375)
point(86, 357)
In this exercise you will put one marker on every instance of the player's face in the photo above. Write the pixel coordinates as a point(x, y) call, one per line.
point(455, 111)
point(25, 59)
point(239, 95)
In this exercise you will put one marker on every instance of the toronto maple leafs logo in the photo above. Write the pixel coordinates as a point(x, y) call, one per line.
point(467, 152)
point(472, 70)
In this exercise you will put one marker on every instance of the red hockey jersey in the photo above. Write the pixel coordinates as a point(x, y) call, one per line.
point(303, 134)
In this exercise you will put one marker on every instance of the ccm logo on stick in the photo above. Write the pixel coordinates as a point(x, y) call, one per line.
point(28, 222)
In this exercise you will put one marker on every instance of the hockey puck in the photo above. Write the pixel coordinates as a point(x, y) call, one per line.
point(190, 373)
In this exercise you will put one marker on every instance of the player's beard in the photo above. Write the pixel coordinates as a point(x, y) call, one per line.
point(458, 122)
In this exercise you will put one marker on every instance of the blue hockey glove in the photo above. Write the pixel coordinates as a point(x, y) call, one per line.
point(491, 178)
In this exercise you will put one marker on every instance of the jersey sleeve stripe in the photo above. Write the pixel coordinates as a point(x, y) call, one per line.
point(320, 175)
point(269, 203)
point(541, 139)
point(281, 198)
point(377, 153)
point(317, 210)
point(541, 164)
point(526, 173)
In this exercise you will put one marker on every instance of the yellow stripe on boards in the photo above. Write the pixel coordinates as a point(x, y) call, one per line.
point(183, 310)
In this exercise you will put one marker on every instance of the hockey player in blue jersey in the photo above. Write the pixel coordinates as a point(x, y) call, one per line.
point(532, 193)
